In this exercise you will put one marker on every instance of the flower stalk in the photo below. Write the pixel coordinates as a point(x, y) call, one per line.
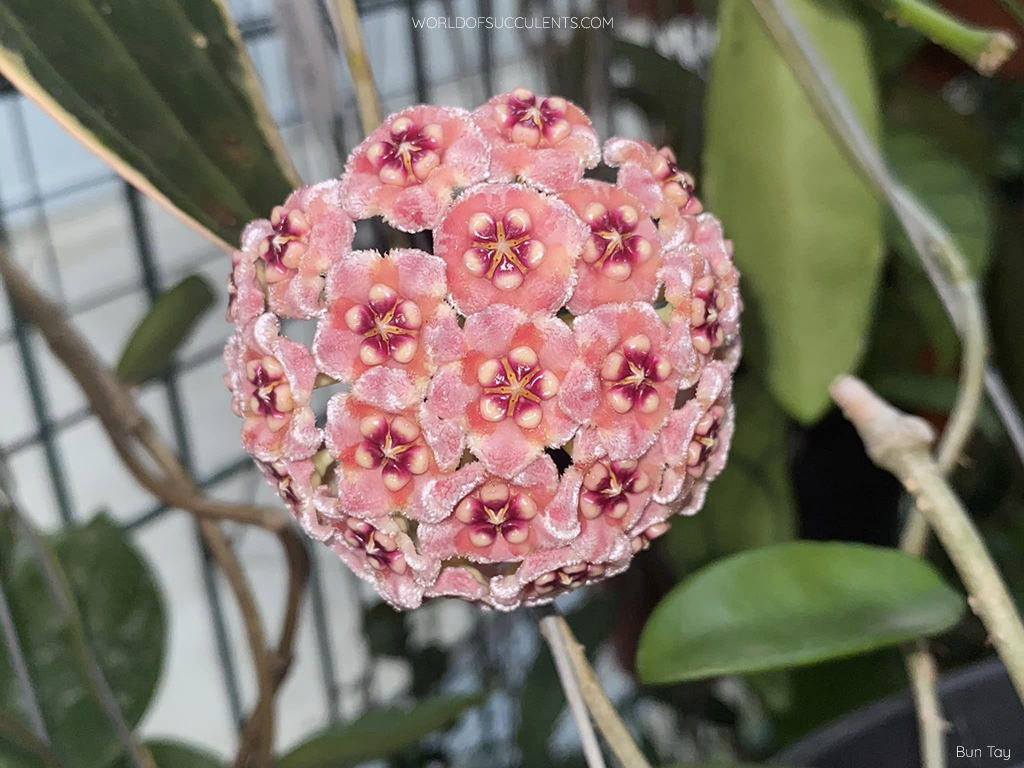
point(984, 49)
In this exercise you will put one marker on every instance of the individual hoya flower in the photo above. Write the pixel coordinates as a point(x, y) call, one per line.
point(271, 379)
point(623, 386)
point(381, 552)
point(387, 311)
point(654, 178)
point(508, 244)
point(294, 483)
point(702, 285)
point(246, 300)
point(382, 456)
point(497, 519)
point(621, 258)
point(409, 167)
point(505, 392)
point(293, 248)
point(696, 438)
point(545, 141)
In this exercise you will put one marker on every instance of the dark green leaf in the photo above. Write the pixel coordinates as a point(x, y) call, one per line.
point(163, 91)
point(792, 604)
point(808, 230)
point(379, 733)
point(164, 329)
point(173, 754)
point(123, 619)
point(751, 504)
point(948, 188)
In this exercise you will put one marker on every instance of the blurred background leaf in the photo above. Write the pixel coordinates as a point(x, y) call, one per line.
point(379, 733)
point(808, 230)
point(164, 328)
point(173, 754)
point(792, 604)
point(196, 135)
point(123, 618)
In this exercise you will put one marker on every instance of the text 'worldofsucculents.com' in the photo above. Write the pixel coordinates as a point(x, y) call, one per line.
point(513, 22)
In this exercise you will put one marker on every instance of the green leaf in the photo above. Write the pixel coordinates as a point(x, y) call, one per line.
point(808, 230)
point(792, 604)
point(751, 504)
point(173, 754)
point(165, 327)
point(379, 733)
point(164, 92)
point(948, 188)
point(124, 623)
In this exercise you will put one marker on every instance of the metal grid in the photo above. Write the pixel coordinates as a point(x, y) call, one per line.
point(31, 213)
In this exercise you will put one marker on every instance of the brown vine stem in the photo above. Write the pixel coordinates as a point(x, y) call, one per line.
point(345, 17)
point(902, 444)
point(156, 467)
point(563, 642)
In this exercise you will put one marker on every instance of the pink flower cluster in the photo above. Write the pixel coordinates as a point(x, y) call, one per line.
point(518, 412)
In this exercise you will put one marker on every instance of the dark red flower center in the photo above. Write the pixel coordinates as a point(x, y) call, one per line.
point(609, 488)
point(283, 248)
point(394, 446)
point(567, 578)
point(389, 325)
point(409, 154)
point(502, 251)
point(629, 376)
point(271, 394)
point(515, 385)
point(615, 247)
point(704, 441)
point(534, 121)
point(381, 550)
point(706, 306)
point(495, 509)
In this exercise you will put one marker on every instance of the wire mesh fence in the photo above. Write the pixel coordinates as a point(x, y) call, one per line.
point(105, 252)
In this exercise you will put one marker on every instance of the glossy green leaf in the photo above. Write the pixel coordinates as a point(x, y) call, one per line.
point(123, 619)
point(792, 604)
point(807, 229)
point(379, 733)
point(163, 90)
point(174, 754)
point(948, 188)
point(165, 327)
point(751, 503)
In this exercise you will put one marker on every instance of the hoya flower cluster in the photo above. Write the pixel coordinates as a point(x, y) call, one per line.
point(518, 412)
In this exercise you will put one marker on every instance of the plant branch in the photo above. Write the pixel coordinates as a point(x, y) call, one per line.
point(552, 634)
point(345, 17)
point(902, 445)
point(984, 49)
